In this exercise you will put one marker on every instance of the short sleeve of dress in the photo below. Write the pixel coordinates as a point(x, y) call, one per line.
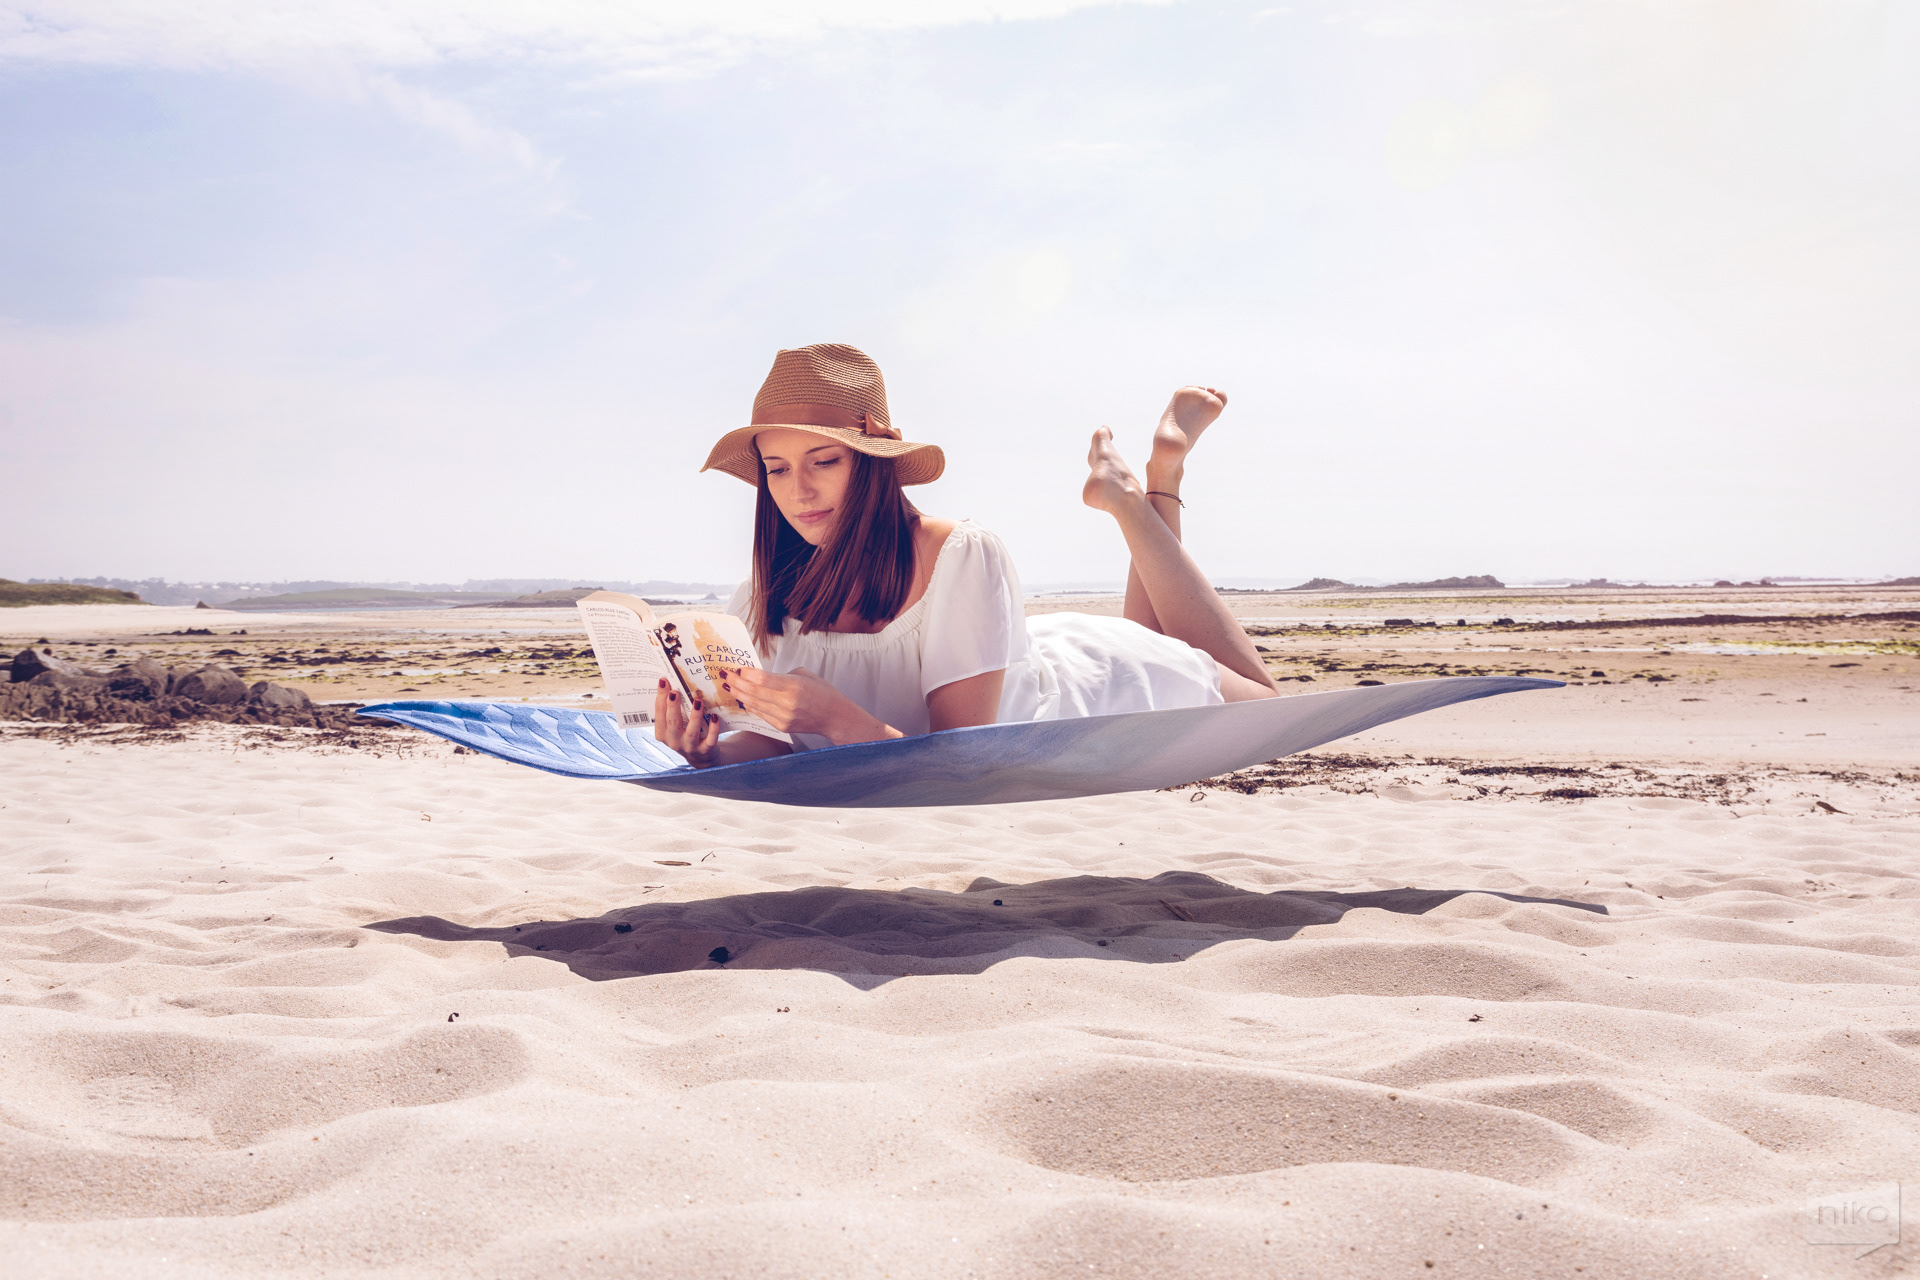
point(976, 618)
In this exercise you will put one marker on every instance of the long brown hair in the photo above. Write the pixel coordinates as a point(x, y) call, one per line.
point(867, 558)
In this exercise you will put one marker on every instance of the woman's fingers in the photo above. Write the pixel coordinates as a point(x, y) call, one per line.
point(747, 685)
point(690, 726)
point(666, 717)
point(690, 735)
point(754, 680)
point(760, 692)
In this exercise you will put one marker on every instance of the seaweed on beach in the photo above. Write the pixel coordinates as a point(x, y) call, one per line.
point(363, 736)
point(1482, 780)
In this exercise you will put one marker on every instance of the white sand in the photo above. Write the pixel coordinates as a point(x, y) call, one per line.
point(209, 1068)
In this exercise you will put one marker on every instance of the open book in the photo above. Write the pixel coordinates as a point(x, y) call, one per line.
point(692, 652)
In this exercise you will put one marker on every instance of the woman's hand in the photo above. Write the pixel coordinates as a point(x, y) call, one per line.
point(695, 733)
point(692, 731)
point(801, 702)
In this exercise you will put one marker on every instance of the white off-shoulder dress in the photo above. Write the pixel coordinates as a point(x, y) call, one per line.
point(972, 620)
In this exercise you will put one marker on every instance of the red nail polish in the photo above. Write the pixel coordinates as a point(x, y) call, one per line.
point(663, 682)
point(673, 697)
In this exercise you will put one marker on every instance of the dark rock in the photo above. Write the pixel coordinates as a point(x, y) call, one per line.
point(141, 680)
point(69, 704)
point(29, 663)
point(279, 697)
point(71, 679)
point(211, 684)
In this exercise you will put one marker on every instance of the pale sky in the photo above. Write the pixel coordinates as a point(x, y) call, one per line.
point(359, 289)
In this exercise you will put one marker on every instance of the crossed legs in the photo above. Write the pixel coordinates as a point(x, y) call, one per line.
point(1166, 592)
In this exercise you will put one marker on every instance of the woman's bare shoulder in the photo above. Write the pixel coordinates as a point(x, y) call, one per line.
point(929, 535)
point(933, 532)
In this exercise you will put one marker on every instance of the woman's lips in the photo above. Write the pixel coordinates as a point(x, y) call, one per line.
point(813, 517)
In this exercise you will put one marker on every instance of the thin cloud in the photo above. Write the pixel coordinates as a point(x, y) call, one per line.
point(428, 110)
point(372, 51)
point(651, 36)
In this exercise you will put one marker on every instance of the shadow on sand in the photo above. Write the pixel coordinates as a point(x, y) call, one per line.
point(879, 933)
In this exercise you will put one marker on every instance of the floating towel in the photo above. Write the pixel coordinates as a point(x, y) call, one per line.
point(987, 764)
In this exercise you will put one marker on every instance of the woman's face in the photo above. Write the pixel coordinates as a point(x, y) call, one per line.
point(807, 475)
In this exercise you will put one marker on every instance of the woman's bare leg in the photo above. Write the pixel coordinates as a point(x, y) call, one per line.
point(1183, 602)
point(1191, 411)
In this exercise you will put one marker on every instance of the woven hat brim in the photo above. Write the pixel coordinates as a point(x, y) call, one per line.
point(913, 463)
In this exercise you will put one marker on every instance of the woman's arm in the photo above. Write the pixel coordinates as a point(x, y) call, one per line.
point(801, 702)
point(964, 703)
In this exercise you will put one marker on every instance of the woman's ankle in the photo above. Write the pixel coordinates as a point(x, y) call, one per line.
point(1165, 480)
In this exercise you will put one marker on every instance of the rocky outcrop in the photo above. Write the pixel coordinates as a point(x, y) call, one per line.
point(29, 663)
point(279, 697)
point(142, 692)
point(69, 706)
point(141, 680)
point(79, 682)
point(213, 685)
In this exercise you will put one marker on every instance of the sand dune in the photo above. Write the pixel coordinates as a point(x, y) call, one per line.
point(1293, 1033)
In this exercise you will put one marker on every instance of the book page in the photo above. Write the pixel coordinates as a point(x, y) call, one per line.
point(704, 647)
point(632, 662)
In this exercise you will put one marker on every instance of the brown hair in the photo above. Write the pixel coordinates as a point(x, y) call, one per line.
point(867, 558)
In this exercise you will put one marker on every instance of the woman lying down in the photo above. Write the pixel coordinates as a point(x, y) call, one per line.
point(878, 621)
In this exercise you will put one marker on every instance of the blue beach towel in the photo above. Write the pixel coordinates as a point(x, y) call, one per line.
point(988, 764)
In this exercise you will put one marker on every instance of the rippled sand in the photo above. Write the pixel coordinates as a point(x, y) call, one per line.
point(407, 1012)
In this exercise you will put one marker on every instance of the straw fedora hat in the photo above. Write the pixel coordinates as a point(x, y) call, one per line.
point(840, 392)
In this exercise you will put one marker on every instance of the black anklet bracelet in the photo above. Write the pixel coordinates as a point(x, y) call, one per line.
point(1155, 493)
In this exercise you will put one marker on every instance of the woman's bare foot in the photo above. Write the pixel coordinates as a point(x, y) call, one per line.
point(1191, 411)
point(1111, 481)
